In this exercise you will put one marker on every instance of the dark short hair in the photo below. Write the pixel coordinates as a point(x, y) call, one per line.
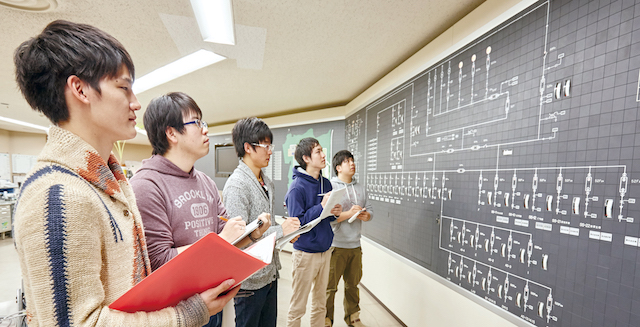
point(340, 157)
point(304, 148)
point(45, 62)
point(167, 111)
point(250, 130)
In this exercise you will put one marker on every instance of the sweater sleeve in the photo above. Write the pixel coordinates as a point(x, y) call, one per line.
point(60, 241)
point(297, 206)
point(157, 225)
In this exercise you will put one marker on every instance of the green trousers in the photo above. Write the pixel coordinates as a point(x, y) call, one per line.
point(346, 264)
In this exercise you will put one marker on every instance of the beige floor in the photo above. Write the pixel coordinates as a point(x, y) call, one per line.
point(372, 313)
point(9, 270)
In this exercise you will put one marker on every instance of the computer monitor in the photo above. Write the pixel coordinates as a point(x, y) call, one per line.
point(226, 159)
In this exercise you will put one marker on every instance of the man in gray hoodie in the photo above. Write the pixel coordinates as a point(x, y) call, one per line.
point(179, 204)
point(346, 260)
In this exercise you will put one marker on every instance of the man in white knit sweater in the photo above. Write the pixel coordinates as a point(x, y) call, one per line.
point(78, 230)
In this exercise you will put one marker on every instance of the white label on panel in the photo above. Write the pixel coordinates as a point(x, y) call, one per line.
point(630, 240)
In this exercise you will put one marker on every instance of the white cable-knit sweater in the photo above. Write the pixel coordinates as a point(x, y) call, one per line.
point(81, 242)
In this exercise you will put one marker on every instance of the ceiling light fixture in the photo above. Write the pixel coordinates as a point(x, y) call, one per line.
point(215, 20)
point(183, 66)
point(22, 123)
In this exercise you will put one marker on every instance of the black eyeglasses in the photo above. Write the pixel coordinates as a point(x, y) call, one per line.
point(268, 147)
point(201, 124)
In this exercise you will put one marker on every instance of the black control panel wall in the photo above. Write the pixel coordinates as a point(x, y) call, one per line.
point(510, 168)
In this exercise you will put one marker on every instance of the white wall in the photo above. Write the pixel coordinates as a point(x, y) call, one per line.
point(13, 142)
point(419, 297)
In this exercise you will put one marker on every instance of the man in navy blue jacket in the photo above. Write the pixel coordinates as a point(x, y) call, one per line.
point(305, 199)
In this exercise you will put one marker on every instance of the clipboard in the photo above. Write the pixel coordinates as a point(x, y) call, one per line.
point(205, 264)
point(248, 230)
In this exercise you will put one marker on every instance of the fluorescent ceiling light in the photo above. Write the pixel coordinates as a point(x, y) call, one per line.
point(215, 20)
point(22, 123)
point(183, 66)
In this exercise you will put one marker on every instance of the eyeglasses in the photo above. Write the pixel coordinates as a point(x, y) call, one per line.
point(268, 147)
point(201, 124)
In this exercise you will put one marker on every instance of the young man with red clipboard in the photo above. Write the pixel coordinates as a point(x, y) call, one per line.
point(78, 231)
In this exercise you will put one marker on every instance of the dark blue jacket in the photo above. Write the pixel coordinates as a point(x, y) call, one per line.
point(303, 202)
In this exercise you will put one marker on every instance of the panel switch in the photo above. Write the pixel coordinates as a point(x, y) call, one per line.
point(557, 91)
point(608, 208)
point(567, 88)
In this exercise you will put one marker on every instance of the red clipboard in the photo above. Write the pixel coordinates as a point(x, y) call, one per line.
point(205, 264)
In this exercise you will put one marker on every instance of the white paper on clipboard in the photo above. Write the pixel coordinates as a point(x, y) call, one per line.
point(334, 198)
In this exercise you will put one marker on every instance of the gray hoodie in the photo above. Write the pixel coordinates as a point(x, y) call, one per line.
point(347, 235)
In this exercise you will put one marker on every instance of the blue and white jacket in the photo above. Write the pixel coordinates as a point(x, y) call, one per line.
point(303, 202)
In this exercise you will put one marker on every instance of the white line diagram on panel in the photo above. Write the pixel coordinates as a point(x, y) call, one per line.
point(520, 190)
point(385, 131)
point(498, 285)
point(545, 199)
point(589, 198)
point(354, 129)
point(469, 98)
point(492, 216)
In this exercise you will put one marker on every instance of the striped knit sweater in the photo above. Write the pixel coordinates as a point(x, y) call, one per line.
point(81, 242)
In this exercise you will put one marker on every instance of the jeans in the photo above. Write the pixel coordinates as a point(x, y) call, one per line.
point(215, 320)
point(259, 309)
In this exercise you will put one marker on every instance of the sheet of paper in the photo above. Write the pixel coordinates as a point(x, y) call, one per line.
point(334, 198)
point(263, 249)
